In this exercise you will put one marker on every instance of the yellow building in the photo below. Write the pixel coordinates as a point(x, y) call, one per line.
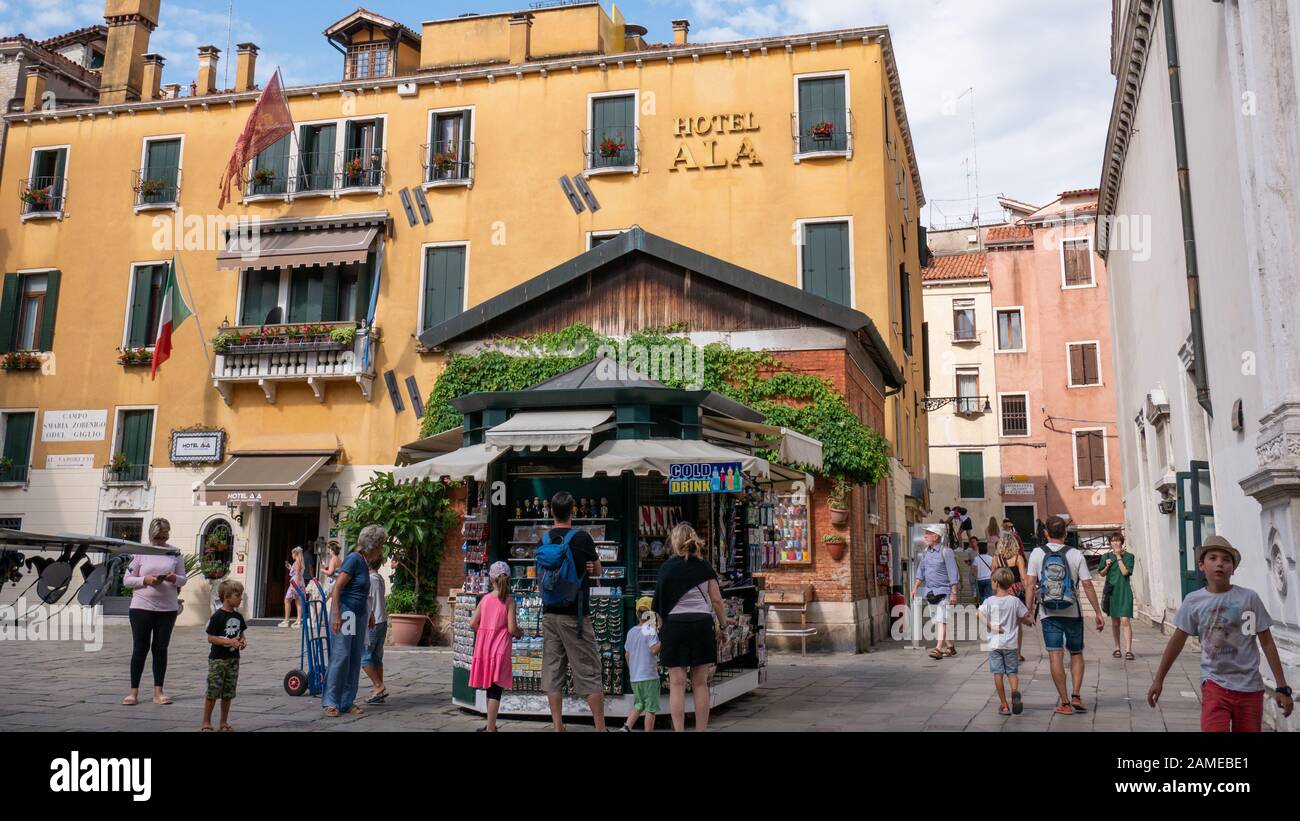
point(432, 171)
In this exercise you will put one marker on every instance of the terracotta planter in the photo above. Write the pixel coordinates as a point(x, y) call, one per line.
point(407, 628)
point(839, 517)
point(836, 550)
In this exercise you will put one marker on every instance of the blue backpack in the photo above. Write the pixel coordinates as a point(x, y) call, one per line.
point(1056, 582)
point(558, 575)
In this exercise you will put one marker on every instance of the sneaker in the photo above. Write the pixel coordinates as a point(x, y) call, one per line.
point(283, 624)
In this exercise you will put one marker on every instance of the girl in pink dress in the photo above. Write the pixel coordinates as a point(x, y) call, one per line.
point(495, 627)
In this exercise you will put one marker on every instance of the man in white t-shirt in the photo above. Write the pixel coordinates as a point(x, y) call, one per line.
point(1062, 626)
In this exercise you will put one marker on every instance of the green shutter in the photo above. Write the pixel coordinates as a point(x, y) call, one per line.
point(307, 295)
point(323, 179)
point(329, 306)
point(135, 436)
point(261, 294)
point(826, 261)
point(905, 298)
point(163, 163)
point(138, 333)
point(822, 100)
point(275, 158)
point(18, 438)
point(444, 284)
point(9, 298)
point(971, 468)
point(613, 117)
point(361, 294)
point(48, 312)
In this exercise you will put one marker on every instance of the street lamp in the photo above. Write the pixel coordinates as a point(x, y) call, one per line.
point(332, 501)
point(965, 404)
point(235, 512)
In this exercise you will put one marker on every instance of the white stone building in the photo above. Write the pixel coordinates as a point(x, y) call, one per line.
point(1204, 294)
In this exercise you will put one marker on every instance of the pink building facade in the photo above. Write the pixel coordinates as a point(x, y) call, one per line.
point(1054, 379)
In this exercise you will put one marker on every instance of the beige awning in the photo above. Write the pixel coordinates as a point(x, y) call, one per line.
point(792, 446)
point(467, 463)
point(644, 456)
point(262, 480)
point(431, 446)
point(289, 249)
point(550, 430)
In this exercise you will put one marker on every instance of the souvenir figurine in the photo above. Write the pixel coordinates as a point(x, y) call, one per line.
point(546, 508)
point(537, 507)
point(604, 508)
point(519, 512)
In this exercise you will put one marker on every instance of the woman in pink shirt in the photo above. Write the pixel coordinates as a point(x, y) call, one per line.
point(156, 581)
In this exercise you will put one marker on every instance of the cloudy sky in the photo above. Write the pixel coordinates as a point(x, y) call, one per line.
point(1039, 70)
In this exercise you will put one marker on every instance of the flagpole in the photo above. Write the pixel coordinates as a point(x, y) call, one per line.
point(193, 306)
point(292, 172)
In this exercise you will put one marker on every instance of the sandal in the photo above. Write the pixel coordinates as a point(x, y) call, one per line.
point(951, 651)
point(378, 698)
point(1129, 656)
point(206, 729)
point(1076, 701)
point(356, 711)
point(130, 701)
point(226, 728)
point(936, 654)
point(1004, 710)
point(164, 700)
point(1017, 706)
point(1064, 709)
point(1117, 654)
point(332, 712)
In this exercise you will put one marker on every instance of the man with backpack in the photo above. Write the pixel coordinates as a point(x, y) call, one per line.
point(565, 560)
point(1056, 572)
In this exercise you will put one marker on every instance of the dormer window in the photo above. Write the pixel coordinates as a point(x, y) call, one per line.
point(367, 60)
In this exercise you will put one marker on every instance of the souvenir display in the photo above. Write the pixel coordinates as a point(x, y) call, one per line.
point(462, 644)
point(657, 520)
point(526, 651)
point(607, 621)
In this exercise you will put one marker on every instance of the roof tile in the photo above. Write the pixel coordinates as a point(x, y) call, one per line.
point(957, 266)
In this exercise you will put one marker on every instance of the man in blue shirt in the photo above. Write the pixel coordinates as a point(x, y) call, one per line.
point(936, 572)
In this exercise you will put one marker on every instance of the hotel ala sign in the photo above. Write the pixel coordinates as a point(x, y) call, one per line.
point(716, 141)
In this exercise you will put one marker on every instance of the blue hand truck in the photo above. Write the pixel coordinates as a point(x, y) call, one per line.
point(313, 653)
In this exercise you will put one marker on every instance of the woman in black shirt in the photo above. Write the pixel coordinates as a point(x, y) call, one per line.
point(689, 601)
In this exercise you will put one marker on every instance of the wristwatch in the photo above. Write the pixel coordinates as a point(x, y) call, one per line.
point(1286, 691)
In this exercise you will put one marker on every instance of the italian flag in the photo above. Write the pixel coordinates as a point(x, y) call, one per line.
point(174, 312)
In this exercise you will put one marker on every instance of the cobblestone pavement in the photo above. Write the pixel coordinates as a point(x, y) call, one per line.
point(57, 686)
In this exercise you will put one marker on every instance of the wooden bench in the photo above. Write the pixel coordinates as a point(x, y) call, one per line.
point(791, 600)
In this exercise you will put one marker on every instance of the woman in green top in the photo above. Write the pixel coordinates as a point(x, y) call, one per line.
point(1117, 601)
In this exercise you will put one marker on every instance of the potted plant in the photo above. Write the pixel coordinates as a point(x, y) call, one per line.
point(134, 356)
point(263, 176)
point(823, 132)
point(418, 517)
point(836, 544)
point(120, 464)
point(39, 199)
point(19, 361)
point(214, 569)
point(839, 502)
point(612, 146)
point(445, 161)
point(224, 340)
point(353, 168)
point(150, 188)
point(343, 336)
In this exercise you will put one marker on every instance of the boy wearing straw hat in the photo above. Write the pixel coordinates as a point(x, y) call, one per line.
point(1233, 625)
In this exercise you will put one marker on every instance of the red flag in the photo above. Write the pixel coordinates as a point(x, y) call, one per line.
point(269, 121)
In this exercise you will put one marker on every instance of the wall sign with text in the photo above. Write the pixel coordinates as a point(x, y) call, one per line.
point(198, 446)
point(705, 478)
point(74, 426)
point(715, 141)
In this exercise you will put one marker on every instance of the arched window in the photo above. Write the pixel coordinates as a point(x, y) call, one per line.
point(215, 548)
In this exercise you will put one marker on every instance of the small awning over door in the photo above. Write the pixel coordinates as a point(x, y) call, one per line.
point(289, 249)
point(262, 480)
point(550, 430)
point(467, 463)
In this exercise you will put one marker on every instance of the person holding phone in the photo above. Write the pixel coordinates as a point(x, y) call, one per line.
point(156, 581)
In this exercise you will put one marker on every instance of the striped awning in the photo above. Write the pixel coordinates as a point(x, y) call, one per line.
point(295, 249)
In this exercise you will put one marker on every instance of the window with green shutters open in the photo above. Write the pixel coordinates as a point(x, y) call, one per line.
point(826, 261)
point(970, 467)
point(316, 158)
point(158, 181)
point(132, 447)
point(443, 294)
point(16, 435)
point(269, 176)
point(28, 306)
point(43, 191)
point(147, 284)
point(613, 139)
point(449, 155)
point(823, 125)
point(329, 293)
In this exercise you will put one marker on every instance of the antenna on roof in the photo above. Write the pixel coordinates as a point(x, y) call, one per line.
point(973, 168)
point(230, 38)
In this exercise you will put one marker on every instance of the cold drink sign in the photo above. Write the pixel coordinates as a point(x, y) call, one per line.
point(705, 478)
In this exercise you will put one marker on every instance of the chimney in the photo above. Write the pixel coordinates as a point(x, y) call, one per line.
point(151, 84)
point(246, 67)
point(681, 28)
point(34, 96)
point(521, 33)
point(129, 24)
point(171, 91)
point(209, 56)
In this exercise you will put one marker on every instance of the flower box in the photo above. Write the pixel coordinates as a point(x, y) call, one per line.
point(39, 199)
point(611, 147)
point(19, 361)
point(134, 357)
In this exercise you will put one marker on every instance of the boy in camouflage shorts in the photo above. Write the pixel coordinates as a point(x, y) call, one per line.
point(226, 636)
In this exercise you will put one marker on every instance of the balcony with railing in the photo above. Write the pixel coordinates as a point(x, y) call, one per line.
point(612, 150)
point(966, 336)
point(43, 197)
point(822, 132)
point(320, 173)
point(126, 474)
point(448, 162)
point(14, 474)
point(315, 353)
point(156, 187)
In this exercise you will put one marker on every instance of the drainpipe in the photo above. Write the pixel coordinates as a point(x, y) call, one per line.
point(1199, 377)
